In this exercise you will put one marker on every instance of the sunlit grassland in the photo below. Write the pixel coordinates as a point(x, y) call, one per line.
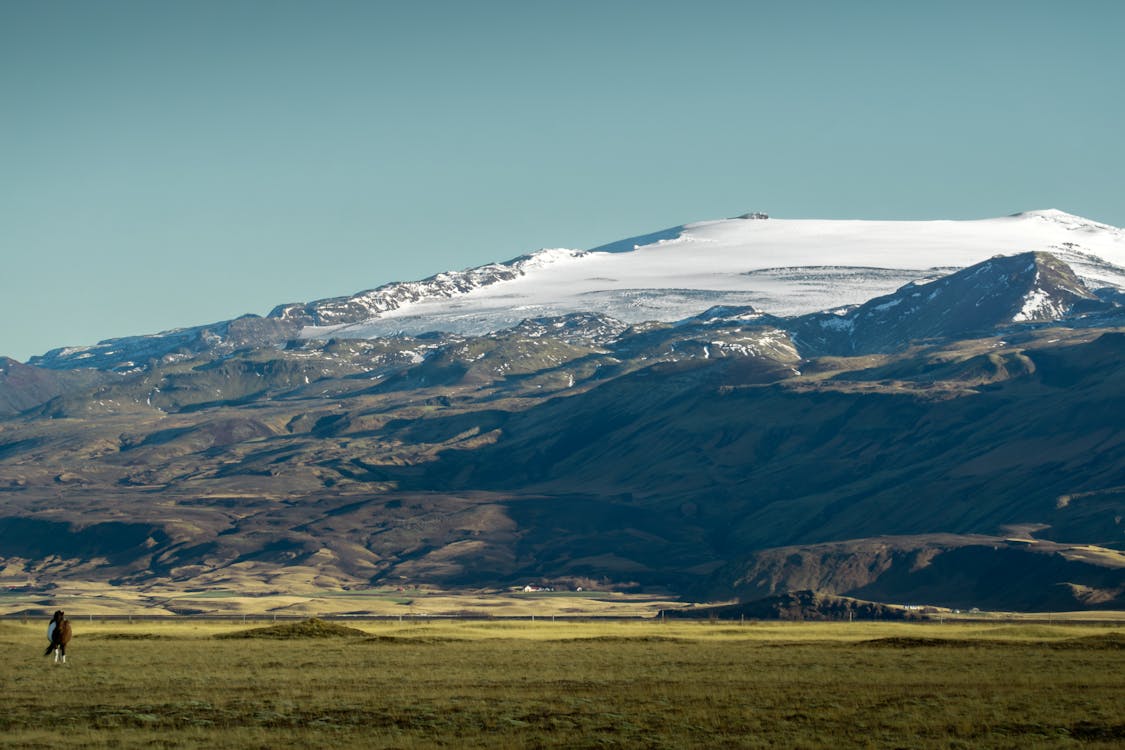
point(574, 684)
point(100, 599)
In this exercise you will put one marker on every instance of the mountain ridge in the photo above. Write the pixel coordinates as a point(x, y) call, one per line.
point(1025, 288)
point(682, 286)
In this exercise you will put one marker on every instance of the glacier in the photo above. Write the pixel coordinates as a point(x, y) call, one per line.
point(783, 267)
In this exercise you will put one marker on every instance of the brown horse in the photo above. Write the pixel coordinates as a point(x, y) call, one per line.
point(59, 633)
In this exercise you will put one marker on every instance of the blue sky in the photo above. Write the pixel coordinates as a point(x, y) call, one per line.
point(169, 164)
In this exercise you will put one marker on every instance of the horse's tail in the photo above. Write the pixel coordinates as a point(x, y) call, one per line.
point(50, 649)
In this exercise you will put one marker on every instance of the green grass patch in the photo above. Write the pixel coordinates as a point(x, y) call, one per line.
point(568, 685)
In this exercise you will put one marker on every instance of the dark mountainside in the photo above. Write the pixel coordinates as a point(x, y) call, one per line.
point(957, 443)
point(1030, 287)
point(24, 387)
point(798, 605)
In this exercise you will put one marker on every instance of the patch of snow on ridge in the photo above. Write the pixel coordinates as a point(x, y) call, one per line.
point(888, 305)
point(1037, 305)
point(340, 312)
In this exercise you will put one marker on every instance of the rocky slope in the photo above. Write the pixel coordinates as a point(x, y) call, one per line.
point(1023, 288)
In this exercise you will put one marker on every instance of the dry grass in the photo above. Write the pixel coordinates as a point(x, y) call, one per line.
point(97, 599)
point(574, 685)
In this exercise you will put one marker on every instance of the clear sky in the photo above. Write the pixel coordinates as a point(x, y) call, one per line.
point(165, 164)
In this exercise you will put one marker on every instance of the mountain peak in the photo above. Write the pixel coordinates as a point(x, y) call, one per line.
point(1053, 291)
point(1048, 213)
point(1067, 220)
point(1027, 287)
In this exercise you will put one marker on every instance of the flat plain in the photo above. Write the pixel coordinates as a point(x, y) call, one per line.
point(592, 684)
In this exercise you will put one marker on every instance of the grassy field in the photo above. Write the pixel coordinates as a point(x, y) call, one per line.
point(100, 599)
point(575, 685)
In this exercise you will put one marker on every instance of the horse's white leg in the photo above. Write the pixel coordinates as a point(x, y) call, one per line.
point(56, 654)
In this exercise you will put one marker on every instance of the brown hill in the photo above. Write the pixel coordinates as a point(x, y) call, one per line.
point(646, 463)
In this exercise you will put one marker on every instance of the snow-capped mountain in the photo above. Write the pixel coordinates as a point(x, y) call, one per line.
point(780, 267)
point(1025, 288)
point(703, 438)
point(372, 303)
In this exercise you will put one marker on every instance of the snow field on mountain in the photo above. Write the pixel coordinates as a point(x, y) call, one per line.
point(780, 266)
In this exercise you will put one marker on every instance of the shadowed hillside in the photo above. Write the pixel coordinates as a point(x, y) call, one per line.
point(712, 457)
